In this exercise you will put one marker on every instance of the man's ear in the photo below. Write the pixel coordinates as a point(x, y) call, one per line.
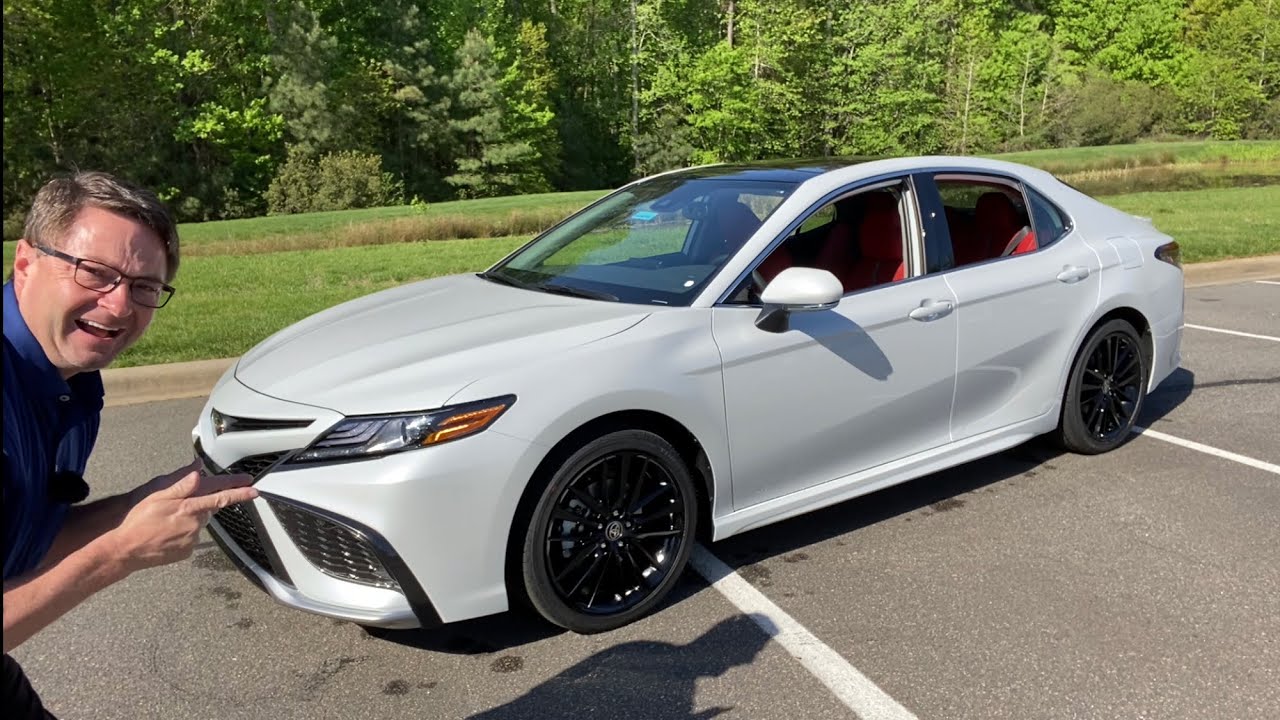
point(22, 259)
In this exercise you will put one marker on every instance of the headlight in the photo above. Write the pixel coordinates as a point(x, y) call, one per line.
point(369, 436)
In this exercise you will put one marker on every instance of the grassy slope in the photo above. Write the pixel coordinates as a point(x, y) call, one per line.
point(228, 300)
point(229, 303)
point(1212, 224)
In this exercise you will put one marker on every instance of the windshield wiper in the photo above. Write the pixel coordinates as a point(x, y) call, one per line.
point(577, 292)
point(505, 280)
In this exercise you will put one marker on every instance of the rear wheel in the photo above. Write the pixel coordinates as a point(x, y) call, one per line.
point(1105, 391)
point(611, 532)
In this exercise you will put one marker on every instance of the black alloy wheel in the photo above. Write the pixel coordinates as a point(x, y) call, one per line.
point(1105, 391)
point(611, 533)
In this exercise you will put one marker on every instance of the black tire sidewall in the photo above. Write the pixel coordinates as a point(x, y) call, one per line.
point(537, 586)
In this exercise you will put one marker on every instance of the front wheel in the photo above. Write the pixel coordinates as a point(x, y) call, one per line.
point(1105, 390)
point(611, 532)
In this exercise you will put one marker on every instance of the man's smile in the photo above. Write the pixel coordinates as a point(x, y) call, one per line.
point(98, 329)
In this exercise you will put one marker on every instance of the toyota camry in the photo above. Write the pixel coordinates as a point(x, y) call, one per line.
point(694, 355)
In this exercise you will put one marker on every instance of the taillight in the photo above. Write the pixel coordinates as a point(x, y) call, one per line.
point(1170, 253)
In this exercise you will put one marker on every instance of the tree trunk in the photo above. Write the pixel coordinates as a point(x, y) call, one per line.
point(730, 35)
point(964, 123)
point(1022, 96)
point(635, 83)
point(1262, 51)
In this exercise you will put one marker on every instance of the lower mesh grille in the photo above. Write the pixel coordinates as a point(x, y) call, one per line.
point(239, 525)
point(334, 549)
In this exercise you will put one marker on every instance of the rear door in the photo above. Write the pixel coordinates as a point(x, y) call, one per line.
point(1020, 301)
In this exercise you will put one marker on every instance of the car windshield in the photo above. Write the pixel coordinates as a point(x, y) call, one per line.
point(656, 242)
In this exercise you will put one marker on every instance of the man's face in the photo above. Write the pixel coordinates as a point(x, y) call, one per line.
point(82, 329)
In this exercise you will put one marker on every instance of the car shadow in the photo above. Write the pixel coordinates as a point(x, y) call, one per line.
point(642, 679)
point(938, 492)
point(846, 340)
point(1170, 394)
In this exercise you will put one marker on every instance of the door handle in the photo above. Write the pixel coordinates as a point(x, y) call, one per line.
point(1072, 274)
point(931, 310)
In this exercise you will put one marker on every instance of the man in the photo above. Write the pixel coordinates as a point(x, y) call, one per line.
point(90, 272)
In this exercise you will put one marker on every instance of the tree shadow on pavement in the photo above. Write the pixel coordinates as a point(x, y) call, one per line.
point(640, 680)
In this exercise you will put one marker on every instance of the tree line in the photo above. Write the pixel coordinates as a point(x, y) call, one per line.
point(232, 108)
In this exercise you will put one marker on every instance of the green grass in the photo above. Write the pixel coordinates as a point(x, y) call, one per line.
point(1212, 224)
point(194, 234)
point(1068, 160)
point(227, 304)
point(242, 280)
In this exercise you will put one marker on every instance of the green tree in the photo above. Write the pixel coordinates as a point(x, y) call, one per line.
point(489, 163)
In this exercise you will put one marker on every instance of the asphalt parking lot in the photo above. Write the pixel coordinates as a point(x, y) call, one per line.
point(1032, 584)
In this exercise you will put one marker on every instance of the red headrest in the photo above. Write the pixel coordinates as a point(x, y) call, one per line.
point(996, 215)
point(880, 233)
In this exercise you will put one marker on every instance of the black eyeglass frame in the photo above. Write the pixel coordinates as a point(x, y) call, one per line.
point(120, 277)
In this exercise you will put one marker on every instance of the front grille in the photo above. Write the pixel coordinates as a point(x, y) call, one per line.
point(256, 465)
point(238, 523)
point(334, 549)
point(227, 423)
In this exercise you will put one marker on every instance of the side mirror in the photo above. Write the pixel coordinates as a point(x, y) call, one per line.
point(797, 289)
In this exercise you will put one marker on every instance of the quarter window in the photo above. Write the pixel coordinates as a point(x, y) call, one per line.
point(1050, 223)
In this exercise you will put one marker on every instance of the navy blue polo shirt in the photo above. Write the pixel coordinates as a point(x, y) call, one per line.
point(50, 425)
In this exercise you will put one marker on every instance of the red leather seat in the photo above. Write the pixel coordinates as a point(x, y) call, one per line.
point(780, 259)
point(1023, 242)
point(880, 239)
point(997, 222)
point(964, 238)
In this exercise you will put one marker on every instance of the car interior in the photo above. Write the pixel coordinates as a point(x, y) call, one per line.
point(861, 245)
point(995, 225)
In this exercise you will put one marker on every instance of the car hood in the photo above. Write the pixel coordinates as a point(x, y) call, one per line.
point(415, 346)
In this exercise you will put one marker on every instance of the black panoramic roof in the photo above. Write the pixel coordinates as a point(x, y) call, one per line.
point(789, 170)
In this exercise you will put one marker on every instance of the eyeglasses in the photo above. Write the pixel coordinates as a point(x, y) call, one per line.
point(96, 276)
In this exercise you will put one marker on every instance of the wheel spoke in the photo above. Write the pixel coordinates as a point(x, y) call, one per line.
point(1130, 363)
point(574, 564)
point(587, 500)
point(1115, 417)
point(636, 488)
point(653, 560)
point(604, 570)
point(648, 499)
point(1095, 418)
point(657, 533)
point(1128, 379)
point(562, 515)
point(655, 515)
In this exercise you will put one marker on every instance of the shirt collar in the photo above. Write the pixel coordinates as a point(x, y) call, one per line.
point(42, 376)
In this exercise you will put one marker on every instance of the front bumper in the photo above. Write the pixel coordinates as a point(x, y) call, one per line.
point(409, 540)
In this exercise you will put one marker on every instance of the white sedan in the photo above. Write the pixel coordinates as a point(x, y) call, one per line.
point(695, 355)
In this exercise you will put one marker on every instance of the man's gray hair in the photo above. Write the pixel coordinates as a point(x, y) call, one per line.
point(60, 200)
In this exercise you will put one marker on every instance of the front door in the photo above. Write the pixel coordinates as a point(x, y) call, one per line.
point(846, 389)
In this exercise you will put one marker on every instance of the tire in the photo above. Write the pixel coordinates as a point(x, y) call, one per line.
point(1105, 391)
point(610, 534)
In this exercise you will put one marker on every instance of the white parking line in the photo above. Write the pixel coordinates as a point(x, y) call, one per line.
point(1235, 457)
point(1232, 332)
point(1267, 282)
point(854, 689)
